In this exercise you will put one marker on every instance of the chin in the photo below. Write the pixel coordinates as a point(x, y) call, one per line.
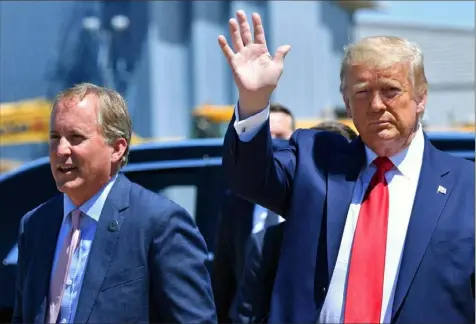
point(66, 186)
point(388, 134)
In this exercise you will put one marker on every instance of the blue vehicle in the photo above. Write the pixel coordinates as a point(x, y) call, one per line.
point(188, 172)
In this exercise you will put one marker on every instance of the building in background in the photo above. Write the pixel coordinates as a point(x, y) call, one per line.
point(163, 55)
point(449, 67)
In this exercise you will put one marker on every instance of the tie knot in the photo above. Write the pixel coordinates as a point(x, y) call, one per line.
point(75, 214)
point(383, 164)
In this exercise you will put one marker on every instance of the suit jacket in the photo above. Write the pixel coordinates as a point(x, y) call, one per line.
point(236, 221)
point(311, 184)
point(253, 299)
point(147, 262)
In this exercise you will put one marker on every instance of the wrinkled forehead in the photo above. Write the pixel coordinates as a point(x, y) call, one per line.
point(74, 104)
point(73, 110)
point(364, 75)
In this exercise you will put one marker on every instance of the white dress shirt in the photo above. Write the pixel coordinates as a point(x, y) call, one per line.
point(402, 184)
point(259, 219)
point(91, 210)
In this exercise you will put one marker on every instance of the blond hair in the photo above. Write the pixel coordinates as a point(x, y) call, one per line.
point(113, 116)
point(383, 52)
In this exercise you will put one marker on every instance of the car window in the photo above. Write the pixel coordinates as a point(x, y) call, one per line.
point(184, 195)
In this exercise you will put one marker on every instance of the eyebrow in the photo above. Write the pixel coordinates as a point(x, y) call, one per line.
point(387, 82)
point(72, 131)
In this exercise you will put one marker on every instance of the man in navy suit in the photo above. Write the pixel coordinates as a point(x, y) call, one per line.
point(238, 220)
point(377, 230)
point(106, 250)
point(253, 298)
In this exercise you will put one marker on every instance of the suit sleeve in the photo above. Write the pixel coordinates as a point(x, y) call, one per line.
point(180, 279)
point(257, 173)
point(18, 303)
point(223, 278)
point(243, 308)
point(253, 300)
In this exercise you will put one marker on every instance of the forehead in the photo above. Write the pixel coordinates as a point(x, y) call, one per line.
point(363, 74)
point(279, 116)
point(82, 110)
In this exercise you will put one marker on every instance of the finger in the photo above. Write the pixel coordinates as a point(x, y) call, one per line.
point(259, 29)
point(244, 27)
point(281, 53)
point(235, 35)
point(226, 49)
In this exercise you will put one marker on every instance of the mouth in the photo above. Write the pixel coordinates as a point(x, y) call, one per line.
point(66, 168)
point(383, 122)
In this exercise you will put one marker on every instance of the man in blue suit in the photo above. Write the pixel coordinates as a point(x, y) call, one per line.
point(377, 230)
point(253, 298)
point(106, 250)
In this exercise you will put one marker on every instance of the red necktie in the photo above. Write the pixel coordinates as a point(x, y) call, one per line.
point(363, 302)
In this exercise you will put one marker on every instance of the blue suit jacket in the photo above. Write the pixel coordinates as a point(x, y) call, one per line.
point(311, 185)
point(150, 267)
point(236, 221)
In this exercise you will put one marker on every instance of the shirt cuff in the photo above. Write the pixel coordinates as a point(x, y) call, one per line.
point(247, 129)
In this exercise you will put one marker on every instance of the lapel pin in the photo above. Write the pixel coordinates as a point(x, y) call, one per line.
point(113, 226)
point(441, 190)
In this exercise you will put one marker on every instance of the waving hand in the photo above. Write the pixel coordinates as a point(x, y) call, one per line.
point(255, 71)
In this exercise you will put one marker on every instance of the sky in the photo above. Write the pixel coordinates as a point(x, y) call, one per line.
point(439, 13)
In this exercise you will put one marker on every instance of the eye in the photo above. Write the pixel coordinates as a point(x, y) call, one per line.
point(361, 93)
point(391, 92)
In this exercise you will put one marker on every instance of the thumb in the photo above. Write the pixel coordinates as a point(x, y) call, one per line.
point(281, 53)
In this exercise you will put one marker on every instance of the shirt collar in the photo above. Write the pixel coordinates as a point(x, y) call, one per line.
point(408, 161)
point(93, 206)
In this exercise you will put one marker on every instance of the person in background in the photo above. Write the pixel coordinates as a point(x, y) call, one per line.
point(106, 249)
point(239, 218)
point(337, 127)
point(252, 302)
point(378, 230)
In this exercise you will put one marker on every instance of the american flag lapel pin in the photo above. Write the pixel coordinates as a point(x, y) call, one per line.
point(442, 190)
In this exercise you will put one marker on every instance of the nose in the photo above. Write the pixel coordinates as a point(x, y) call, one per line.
point(376, 103)
point(63, 148)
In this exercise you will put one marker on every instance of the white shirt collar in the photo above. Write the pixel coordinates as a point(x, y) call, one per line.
point(92, 207)
point(409, 160)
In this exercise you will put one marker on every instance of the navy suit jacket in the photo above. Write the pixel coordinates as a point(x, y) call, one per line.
point(147, 267)
point(311, 184)
point(236, 221)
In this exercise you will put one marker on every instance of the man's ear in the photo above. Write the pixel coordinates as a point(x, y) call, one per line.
point(119, 148)
point(347, 106)
point(421, 104)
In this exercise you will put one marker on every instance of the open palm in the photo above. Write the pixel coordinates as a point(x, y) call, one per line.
point(255, 72)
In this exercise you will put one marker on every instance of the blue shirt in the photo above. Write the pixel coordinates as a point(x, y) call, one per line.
point(91, 211)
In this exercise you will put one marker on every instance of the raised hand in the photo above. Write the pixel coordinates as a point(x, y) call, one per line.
point(255, 72)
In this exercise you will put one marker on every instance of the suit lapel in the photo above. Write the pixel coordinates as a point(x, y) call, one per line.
point(104, 246)
point(343, 173)
point(427, 208)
